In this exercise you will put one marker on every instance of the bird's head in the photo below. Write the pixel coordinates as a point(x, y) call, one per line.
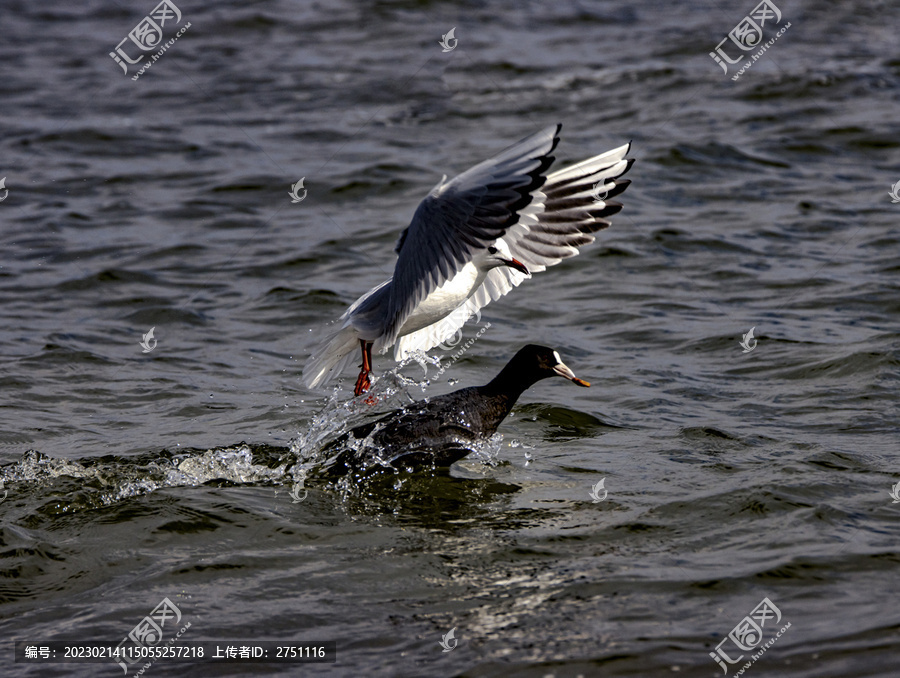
point(496, 255)
point(545, 362)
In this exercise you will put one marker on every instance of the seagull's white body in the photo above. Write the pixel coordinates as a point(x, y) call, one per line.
point(445, 299)
point(442, 301)
point(471, 241)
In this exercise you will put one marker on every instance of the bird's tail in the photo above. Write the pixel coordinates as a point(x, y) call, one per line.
point(330, 358)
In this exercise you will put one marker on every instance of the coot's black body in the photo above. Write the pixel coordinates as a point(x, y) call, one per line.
point(445, 429)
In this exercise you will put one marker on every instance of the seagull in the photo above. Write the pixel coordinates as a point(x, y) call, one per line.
point(471, 241)
point(444, 429)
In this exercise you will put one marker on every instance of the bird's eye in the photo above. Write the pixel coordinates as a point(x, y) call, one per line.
point(492, 250)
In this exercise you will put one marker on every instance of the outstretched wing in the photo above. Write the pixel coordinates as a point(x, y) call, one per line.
point(462, 216)
point(560, 219)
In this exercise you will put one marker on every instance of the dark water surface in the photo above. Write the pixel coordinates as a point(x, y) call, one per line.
point(163, 203)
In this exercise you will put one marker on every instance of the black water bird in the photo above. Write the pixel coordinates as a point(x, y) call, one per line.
point(444, 429)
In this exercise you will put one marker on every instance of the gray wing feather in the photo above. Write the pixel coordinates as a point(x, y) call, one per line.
point(462, 216)
point(559, 220)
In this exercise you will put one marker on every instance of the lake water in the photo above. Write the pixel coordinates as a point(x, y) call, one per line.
point(730, 476)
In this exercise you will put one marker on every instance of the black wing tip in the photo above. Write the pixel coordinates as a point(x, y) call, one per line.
point(609, 209)
point(620, 186)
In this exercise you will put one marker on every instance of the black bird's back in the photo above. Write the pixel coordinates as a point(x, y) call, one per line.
point(441, 430)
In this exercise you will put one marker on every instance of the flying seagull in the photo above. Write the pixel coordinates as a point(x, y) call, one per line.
point(472, 240)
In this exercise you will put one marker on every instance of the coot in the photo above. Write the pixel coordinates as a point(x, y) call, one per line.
point(443, 429)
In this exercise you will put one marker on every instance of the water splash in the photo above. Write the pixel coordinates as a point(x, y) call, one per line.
point(234, 464)
point(111, 479)
point(390, 391)
point(107, 480)
point(487, 451)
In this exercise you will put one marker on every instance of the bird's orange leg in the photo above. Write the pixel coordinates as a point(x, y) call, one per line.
point(362, 382)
